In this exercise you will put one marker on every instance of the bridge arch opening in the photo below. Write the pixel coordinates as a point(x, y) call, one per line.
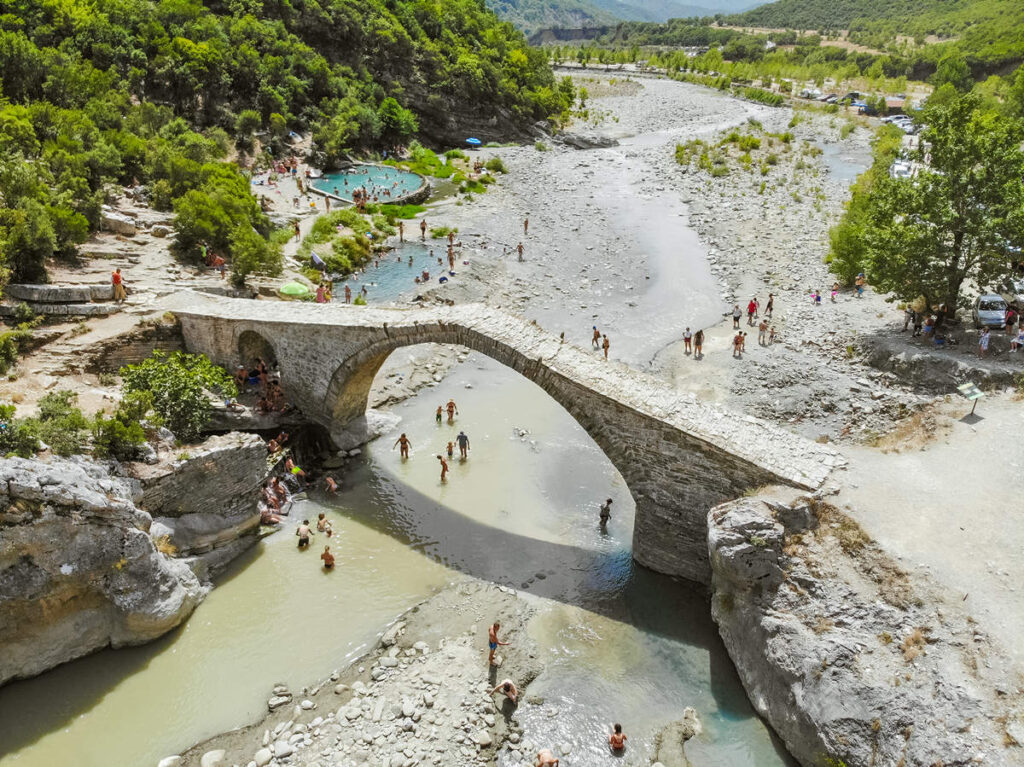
point(253, 346)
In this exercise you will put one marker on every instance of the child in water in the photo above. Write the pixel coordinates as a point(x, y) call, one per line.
point(451, 449)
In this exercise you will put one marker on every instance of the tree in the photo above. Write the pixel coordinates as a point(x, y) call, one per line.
point(252, 254)
point(179, 385)
point(953, 69)
point(960, 217)
point(397, 123)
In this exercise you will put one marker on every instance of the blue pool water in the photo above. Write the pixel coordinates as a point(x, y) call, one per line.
point(394, 279)
point(376, 179)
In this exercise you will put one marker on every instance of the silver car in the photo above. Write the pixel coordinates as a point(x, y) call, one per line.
point(989, 311)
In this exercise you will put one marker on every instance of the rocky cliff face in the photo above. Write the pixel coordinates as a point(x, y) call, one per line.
point(78, 569)
point(851, 660)
point(207, 504)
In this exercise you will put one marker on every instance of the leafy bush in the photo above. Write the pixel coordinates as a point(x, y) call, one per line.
point(251, 254)
point(60, 424)
point(23, 314)
point(496, 165)
point(437, 232)
point(16, 438)
point(179, 384)
point(121, 436)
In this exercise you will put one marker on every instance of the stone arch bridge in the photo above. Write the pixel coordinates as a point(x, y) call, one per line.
point(678, 456)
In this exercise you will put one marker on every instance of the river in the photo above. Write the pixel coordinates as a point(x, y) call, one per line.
point(620, 642)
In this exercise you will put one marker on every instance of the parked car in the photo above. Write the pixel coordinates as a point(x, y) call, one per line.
point(989, 311)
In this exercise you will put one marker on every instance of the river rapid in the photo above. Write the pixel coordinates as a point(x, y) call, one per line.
point(608, 244)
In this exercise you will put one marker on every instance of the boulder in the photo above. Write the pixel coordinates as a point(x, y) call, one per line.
point(78, 569)
point(587, 140)
point(159, 230)
point(116, 222)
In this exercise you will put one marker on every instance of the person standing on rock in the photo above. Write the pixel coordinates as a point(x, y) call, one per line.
point(770, 306)
point(736, 314)
point(452, 410)
point(617, 739)
point(546, 759)
point(687, 340)
point(405, 443)
point(762, 332)
point(423, 229)
point(463, 441)
point(519, 250)
point(328, 558)
point(508, 689)
point(737, 341)
point(698, 345)
point(604, 345)
point(118, 282)
point(348, 294)
point(493, 643)
point(751, 311)
point(596, 340)
point(401, 232)
point(444, 468)
point(304, 534)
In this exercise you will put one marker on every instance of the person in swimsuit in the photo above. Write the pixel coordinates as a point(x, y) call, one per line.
point(617, 740)
point(526, 226)
point(762, 332)
point(321, 522)
point(332, 486)
point(596, 340)
point(444, 468)
point(604, 345)
point(770, 306)
point(493, 642)
point(304, 534)
point(546, 759)
point(401, 232)
point(519, 250)
point(423, 230)
point(328, 558)
point(452, 410)
point(698, 344)
point(439, 414)
point(451, 449)
point(507, 688)
point(405, 443)
point(463, 441)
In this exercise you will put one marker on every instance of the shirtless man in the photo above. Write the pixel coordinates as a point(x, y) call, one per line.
point(452, 410)
point(546, 759)
point(328, 558)
point(321, 522)
point(526, 226)
point(493, 642)
point(439, 414)
point(451, 238)
point(762, 332)
point(304, 534)
point(444, 468)
point(423, 229)
point(405, 443)
point(463, 441)
point(507, 688)
point(401, 232)
point(596, 339)
point(519, 250)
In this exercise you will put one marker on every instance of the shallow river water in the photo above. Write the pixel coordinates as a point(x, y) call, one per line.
point(620, 643)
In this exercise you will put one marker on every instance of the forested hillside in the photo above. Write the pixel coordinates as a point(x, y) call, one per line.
point(989, 32)
point(101, 92)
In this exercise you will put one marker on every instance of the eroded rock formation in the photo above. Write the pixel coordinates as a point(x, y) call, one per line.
point(78, 569)
point(849, 658)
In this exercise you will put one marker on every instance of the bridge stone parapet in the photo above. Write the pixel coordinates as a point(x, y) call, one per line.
point(678, 456)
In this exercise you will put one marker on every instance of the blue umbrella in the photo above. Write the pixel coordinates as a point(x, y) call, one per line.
point(474, 141)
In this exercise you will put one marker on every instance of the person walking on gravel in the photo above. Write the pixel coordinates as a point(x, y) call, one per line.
point(687, 340)
point(493, 643)
point(698, 344)
point(770, 306)
point(118, 282)
point(736, 314)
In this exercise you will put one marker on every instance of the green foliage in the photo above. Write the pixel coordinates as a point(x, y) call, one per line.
point(11, 344)
point(23, 314)
point(540, 146)
point(343, 253)
point(251, 254)
point(213, 212)
point(60, 423)
point(496, 165)
point(16, 437)
point(958, 220)
point(359, 300)
point(393, 212)
point(847, 129)
point(121, 436)
point(437, 232)
point(179, 384)
point(770, 98)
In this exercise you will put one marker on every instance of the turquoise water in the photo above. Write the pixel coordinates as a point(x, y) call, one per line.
point(392, 278)
point(376, 179)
